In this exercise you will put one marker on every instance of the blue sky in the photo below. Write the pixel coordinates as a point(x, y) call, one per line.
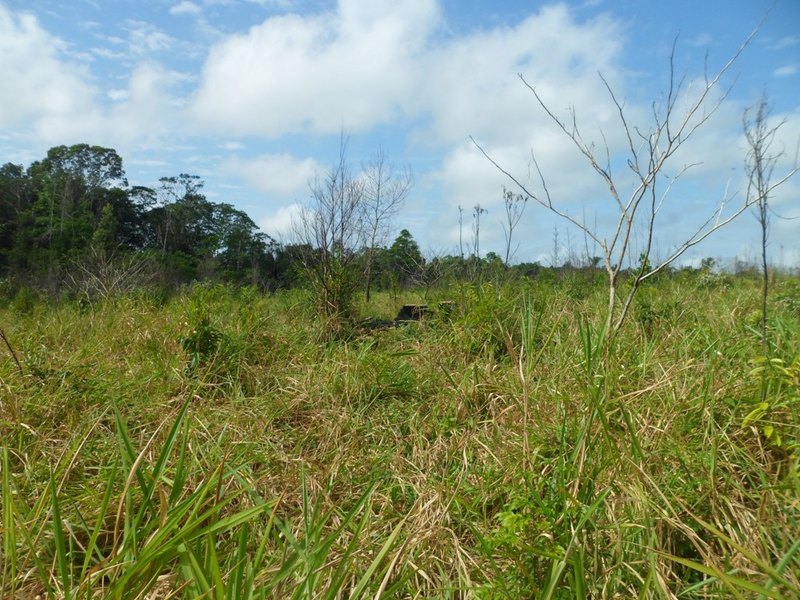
point(252, 95)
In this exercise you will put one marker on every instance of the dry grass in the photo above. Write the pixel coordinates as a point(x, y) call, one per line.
point(221, 445)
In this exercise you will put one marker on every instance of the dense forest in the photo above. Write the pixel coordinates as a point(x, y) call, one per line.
point(74, 211)
point(72, 218)
point(72, 224)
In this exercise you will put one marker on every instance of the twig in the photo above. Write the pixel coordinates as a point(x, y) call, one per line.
point(10, 349)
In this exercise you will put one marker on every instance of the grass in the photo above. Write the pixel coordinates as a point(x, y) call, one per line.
point(220, 444)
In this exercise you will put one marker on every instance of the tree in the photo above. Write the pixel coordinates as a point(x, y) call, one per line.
point(242, 250)
point(515, 206)
point(648, 153)
point(759, 167)
point(104, 238)
point(71, 186)
point(475, 262)
point(406, 258)
point(332, 224)
point(16, 198)
point(385, 191)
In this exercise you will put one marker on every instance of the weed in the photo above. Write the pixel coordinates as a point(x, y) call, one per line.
point(218, 443)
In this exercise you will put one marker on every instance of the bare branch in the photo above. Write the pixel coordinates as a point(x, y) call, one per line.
point(647, 159)
point(548, 203)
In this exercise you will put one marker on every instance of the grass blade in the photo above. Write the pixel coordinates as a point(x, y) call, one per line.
point(60, 542)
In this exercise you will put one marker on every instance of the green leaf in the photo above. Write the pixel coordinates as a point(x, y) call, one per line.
point(755, 414)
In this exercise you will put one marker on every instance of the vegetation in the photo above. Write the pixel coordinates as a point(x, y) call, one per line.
point(218, 443)
point(189, 409)
point(71, 222)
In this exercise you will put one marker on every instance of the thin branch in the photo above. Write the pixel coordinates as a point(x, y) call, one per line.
point(11, 349)
point(548, 203)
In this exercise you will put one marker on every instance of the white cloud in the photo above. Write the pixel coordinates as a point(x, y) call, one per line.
point(277, 174)
point(279, 224)
point(785, 71)
point(368, 63)
point(144, 38)
point(352, 68)
point(786, 42)
point(282, 4)
point(185, 8)
point(117, 95)
point(149, 111)
point(471, 83)
point(38, 85)
point(473, 89)
point(51, 100)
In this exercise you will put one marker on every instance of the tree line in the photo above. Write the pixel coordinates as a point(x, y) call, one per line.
point(73, 217)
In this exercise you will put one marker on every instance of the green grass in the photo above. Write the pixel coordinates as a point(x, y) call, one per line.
point(223, 444)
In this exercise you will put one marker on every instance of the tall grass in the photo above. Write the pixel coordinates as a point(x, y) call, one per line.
point(223, 445)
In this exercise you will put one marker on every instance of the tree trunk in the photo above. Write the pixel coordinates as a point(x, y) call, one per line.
point(765, 287)
point(612, 301)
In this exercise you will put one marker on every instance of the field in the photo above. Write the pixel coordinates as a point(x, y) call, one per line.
point(221, 444)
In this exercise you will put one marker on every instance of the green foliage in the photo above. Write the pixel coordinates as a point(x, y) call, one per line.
point(24, 300)
point(777, 409)
point(787, 295)
point(76, 204)
point(104, 238)
point(656, 314)
point(201, 343)
point(405, 257)
point(488, 317)
point(501, 453)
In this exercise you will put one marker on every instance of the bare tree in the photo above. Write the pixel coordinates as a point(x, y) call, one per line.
point(554, 255)
point(477, 211)
point(385, 190)
point(515, 206)
point(332, 229)
point(759, 166)
point(649, 151)
point(461, 232)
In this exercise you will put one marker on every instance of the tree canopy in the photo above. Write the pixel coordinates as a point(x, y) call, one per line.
point(75, 206)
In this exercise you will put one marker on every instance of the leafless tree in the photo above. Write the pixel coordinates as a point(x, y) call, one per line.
point(385, 190)
point(477, 211)
point(461, 232)
point(332, 229)
point(760, 166)
point(101, 276)
point(515, 205)
point(649, 152)
point(554, 255)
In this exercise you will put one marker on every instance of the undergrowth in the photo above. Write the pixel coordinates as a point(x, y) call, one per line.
point(220, 444)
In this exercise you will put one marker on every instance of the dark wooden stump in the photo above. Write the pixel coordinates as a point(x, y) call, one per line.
point(412, 312)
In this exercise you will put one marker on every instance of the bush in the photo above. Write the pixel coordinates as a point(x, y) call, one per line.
point(24, 300)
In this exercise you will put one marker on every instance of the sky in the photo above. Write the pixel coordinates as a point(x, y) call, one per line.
point(254, 96)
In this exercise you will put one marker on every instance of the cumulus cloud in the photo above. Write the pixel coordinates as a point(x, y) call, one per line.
point(277, 174)
point(474, 90)
point(147, 99)
point(369, 63)
point(352, 68)
point(54, 100)
point(279, 224)
point(39, 86)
